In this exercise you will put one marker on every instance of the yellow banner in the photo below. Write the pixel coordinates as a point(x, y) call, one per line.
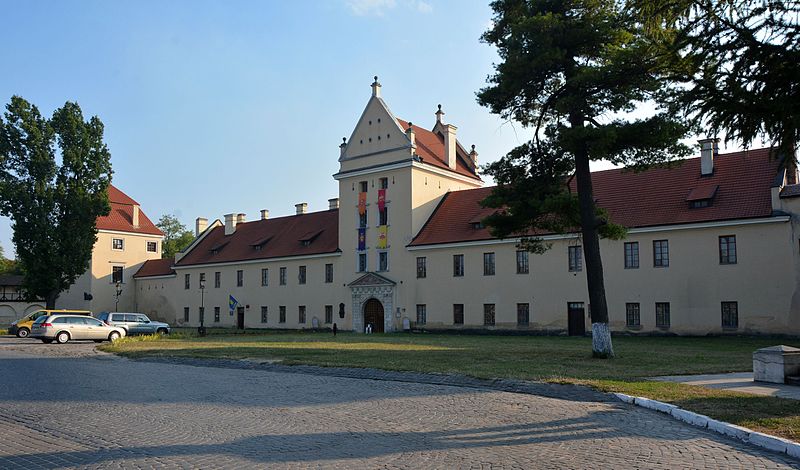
point(382, 236)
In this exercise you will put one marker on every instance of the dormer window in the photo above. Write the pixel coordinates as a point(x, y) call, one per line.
point(215, 249)
point(309, 237)
point(477, 225)
point(702, 196)
point(259, 244)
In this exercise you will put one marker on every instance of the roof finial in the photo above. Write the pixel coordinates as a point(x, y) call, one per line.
point(439, 114)
point(376, 88)
point(344, 141)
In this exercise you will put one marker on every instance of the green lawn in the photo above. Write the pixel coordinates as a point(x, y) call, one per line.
point(548, 358)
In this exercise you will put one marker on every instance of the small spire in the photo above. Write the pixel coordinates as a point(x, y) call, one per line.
point(439, 114)
point(344, 142)
point(474, 155)
point(376, 88)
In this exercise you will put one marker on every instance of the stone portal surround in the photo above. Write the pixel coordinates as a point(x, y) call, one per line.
point(384, 294)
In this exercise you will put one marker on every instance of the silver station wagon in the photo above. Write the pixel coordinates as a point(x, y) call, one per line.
point(134, 323)
point(64, 328)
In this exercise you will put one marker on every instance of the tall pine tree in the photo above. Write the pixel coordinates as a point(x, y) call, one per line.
point(566, 67)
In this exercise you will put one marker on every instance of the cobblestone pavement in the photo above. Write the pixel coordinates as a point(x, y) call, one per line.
point(64, 406)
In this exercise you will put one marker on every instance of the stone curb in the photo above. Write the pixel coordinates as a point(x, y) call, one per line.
point(774, 443)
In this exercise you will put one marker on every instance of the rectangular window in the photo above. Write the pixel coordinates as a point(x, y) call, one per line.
point(201, 283)
point(631, 255)
point(362, 262)
point(523, 314)
point(632, 315)
point(422, 268)
point(660, 253)
point(421, 314)
point(282, 314)
point(362, 186)
point(383, 261)
point(301, 275)
point(282, 276)
point(383, 183)
point(383, 216)
point(488, 264)
point(117, 244)
point(730, 315)
point(239, 278)
point(329, 314)
point(216, 314)
point(328, 273)
point(727, 249)
point(116, 274)
point(488, 314)
point(187, 281)
point(264, 312)
point(458, 265)
point(301, 314)
point(522, 262)
point(575, 263)
point(152, 247)
point(265, 277)
point(217, 279)
point(662, 314)
point(186, 314)
point(458, 314)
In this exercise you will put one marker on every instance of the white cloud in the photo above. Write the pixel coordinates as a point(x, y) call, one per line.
point(424, 7)
point(370, 7)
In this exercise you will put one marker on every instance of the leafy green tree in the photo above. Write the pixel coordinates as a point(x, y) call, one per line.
point(8, 266)
point(176, 236)
point(566, 67)
point(737, 64)
point(53, 207)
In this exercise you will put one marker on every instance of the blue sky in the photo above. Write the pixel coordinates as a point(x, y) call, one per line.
point(214, 107)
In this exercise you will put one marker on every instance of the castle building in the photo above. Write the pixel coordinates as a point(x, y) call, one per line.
point(712, 248)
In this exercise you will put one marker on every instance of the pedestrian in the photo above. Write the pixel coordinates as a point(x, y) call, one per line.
point(334, 329)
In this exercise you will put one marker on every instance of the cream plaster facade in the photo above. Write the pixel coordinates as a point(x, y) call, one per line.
point(763, 282)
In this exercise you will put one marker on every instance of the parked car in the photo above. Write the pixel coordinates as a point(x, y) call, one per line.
point(134, 323)
point(62, 328)
point(22, 327)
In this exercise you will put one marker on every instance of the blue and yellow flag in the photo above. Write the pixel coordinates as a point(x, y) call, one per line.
point(232, 303)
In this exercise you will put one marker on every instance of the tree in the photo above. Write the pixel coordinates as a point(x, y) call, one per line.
point(566, 65)
point(8, 266)
point(176, 236)
point(737, 63)
point(53, 207)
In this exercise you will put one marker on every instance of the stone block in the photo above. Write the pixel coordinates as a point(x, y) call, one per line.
point(793, 449)
point(690, 417)
point(654, 405)
point(624, 398)
point(769, 442)
point(728, 429)
point(775, 363)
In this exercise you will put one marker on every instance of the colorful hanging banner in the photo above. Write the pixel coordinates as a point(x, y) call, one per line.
point(362, 239)
point(362, 203)
point(381, 199)
point(382, 236)
point(232, 303)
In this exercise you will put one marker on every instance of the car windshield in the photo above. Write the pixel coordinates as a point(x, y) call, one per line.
point(41, 319)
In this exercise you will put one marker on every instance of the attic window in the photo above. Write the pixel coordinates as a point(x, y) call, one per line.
point(259, 244)
point(477, 225)
point(309, 237)
point(216, 248)
point(701, 196)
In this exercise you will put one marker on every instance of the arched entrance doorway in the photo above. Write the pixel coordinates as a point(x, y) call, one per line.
point(373, 314)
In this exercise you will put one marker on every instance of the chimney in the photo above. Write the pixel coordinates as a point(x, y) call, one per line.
point(333, 203)
point(342, 146)
point(302, 208)
point(200, 226)
point(135, 216)
point(450, 145)
point(439, 114)
point(709, 148)
point(240, 218)
point(230, 224)
point(376, 88)
point(264, 214)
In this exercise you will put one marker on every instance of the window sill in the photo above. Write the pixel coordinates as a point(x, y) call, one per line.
point(663, 327)
point(631, 267)
point(633, 327)
point(661, 266)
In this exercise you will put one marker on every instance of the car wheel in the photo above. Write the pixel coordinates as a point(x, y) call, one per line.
point(62, 337)
point(113, 336)
point(23, 333)
point(162, 331)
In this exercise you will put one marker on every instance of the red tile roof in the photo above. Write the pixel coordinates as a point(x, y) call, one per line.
point(120, 218)
point(430, 147)
point(654, 197)
point(271, 238)
point(156, 267)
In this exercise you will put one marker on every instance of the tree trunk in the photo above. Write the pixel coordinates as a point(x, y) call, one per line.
point(601, 334)
point(50, 300)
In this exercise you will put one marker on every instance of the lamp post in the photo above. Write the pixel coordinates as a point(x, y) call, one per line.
point(201, 330)
point(117, 293)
